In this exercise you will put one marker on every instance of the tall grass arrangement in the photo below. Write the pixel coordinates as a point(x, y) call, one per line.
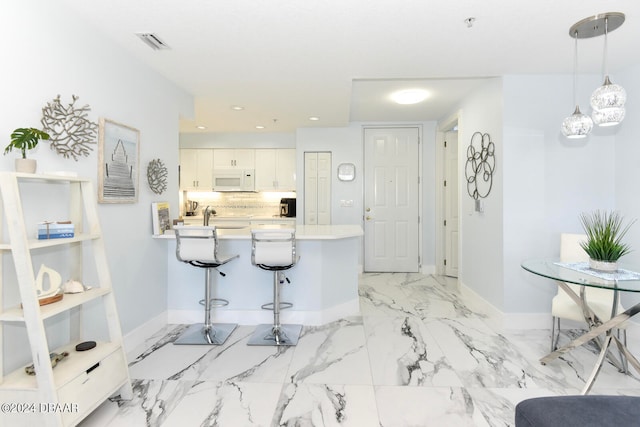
point(605, 231)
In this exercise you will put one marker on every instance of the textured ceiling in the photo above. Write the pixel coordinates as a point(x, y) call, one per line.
point(287, 60)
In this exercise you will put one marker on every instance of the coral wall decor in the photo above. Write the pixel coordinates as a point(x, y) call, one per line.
point(157, 176)
point(71, 131)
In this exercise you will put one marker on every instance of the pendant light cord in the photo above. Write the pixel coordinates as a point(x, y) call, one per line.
point(604, 62)
point(575, 69)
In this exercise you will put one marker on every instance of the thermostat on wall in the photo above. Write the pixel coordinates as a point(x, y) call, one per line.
point(346, 171)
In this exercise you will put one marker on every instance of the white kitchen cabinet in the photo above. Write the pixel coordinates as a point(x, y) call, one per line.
point(275, 169)
point(233, 158)
point(196, 169)
point(84, 379)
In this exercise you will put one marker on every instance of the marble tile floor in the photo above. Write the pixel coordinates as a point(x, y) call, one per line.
point(417, 356)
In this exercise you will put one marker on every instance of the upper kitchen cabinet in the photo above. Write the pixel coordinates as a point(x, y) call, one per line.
point(240, 158)
point(275, 170)
point(196, 169)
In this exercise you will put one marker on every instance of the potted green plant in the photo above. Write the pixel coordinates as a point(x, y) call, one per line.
point(604, 244)
point(24, 139)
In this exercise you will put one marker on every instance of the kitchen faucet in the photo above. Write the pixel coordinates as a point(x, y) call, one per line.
point(207, 213)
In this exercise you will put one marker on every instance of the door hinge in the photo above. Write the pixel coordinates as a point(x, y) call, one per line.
point(445, 222)
point(445, 144)
point(445, 261)
point(445, 182)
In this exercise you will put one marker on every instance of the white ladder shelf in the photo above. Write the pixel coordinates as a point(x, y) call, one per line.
point(81, 382)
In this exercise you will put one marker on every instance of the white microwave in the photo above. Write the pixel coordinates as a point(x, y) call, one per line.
point(233, 180)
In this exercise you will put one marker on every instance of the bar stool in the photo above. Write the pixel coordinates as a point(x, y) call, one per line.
point(198, 246)
point(275, 250)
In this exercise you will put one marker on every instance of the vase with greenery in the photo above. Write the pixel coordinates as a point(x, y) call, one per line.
point(604, 245)
point(24, 139)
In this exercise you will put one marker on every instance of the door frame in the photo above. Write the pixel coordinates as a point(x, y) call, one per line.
point(444, 126)
point(420, 183)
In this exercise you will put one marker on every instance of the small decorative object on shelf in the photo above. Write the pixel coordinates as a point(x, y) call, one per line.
point(55, 230)
point(161, 220)
point(73, 287)
point(157, 176)
point(86, 345)
point(604, 239)
point(72, 133)
point(55, 358)
point(48, 282)
point(24, 139)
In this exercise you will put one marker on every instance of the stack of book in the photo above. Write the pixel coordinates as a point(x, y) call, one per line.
point(55, 230)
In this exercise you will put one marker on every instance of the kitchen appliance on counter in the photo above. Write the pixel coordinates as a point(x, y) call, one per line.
point(191, 207)
point(233, 180)
point(288, 207)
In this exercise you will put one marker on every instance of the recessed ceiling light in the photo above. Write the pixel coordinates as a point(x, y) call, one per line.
point(237, 108)
point(259, 127)
point(409, 96)
point(314, 118)
point(201, 127)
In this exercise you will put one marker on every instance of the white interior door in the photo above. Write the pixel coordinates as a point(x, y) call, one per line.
point(451, 219)
point(391, 224)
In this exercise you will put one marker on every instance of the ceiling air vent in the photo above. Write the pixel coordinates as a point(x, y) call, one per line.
point(153, 41)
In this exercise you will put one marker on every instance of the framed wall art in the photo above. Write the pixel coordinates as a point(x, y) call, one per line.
point(118, 153)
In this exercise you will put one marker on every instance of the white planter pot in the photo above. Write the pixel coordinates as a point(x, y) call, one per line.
point(26, 165)
point(603, 265)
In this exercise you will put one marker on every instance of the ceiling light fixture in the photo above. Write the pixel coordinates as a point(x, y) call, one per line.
point(201, 127)
point(314, 118)
point(237, 108)
point(409, 96)
point(608, 100)
point(577, 125)
point(259, 127)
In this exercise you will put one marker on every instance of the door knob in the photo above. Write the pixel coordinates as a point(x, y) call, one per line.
point(368, 218)
point(368, 209)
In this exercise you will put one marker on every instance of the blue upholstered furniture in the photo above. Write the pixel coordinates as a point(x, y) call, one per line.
point(579, 411)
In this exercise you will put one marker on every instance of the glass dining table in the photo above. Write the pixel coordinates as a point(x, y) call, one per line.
point(625, 279)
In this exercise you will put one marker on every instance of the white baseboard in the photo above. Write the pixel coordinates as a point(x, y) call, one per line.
point(505, 321)
point(256, 317)
point(136, 338)
point(428, 269)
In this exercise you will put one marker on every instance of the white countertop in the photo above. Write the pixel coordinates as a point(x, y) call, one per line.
point(303, 232)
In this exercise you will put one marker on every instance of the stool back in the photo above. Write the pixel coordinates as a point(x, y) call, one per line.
point(197, 243)
point(273, 247)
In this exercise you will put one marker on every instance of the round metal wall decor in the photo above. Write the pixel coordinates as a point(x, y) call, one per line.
point(481, 163)
point(70, 130)
point(157, 176)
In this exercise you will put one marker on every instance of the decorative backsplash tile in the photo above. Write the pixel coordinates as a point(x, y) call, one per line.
point(240, 203)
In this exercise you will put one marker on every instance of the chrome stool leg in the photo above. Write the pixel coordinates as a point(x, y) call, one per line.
point(207, 333)
point(276, 334)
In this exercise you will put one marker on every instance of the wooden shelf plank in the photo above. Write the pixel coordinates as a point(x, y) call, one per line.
point(46, 243)
point(15, 314)
point(67, 369)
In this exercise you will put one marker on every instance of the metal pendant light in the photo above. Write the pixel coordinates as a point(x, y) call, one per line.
point(577, 125)
point(608, 100)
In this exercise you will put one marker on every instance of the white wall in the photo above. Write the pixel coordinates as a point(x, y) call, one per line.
point(240, 140)
point(627, 166)
point(548, 179)
point(48, 51)
point(481, 234)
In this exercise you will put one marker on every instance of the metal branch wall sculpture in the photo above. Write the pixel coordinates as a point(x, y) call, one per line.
point(157, 176)
point(481, 163)
point(72, 133)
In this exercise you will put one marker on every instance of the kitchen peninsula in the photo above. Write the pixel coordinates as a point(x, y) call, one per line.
point(323, 288)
